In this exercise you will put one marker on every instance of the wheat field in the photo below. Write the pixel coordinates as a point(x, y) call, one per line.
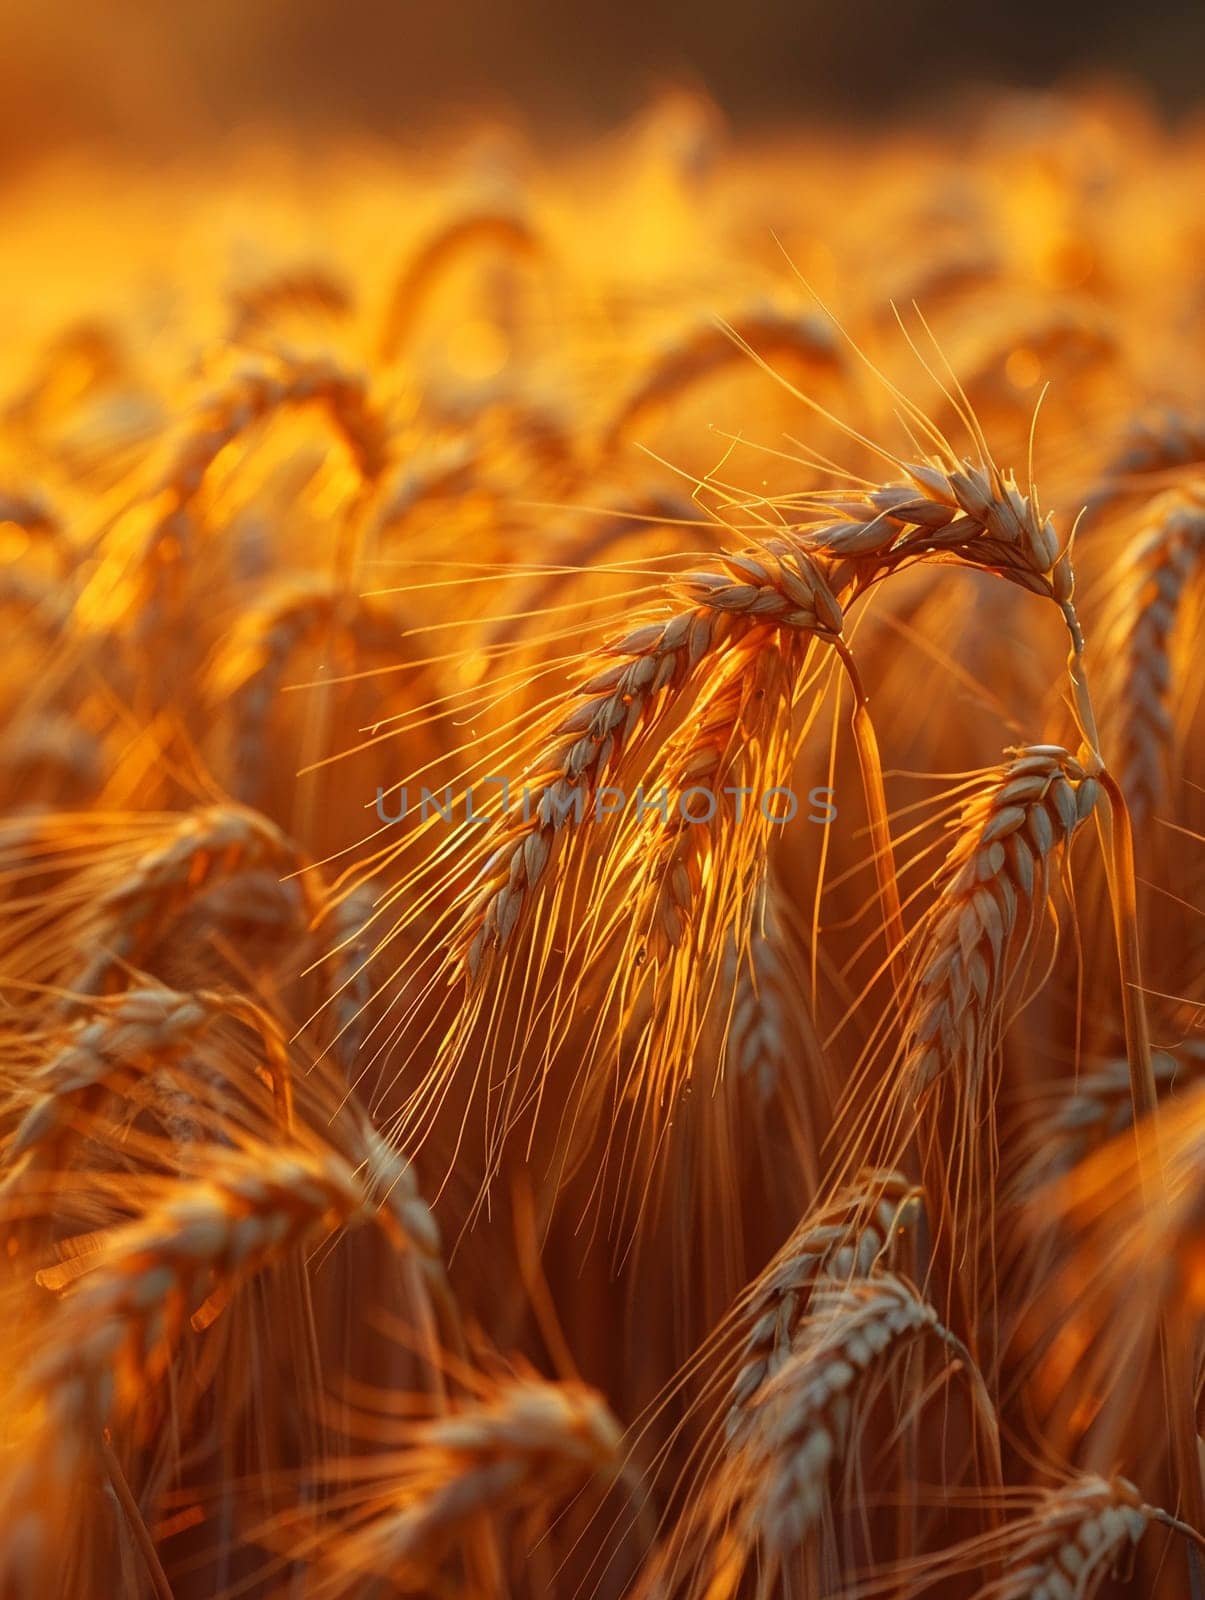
point(602, 868)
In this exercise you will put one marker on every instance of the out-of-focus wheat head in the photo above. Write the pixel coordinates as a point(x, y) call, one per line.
point(601, 869)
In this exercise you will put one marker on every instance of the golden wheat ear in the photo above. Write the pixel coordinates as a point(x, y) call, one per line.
point(426, 1505)
point(1154, 585)
point(768, 1508)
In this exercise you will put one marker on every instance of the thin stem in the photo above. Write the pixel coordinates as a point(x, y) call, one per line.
point(1085, 713)
point(133, 1516)
point(1178, 1385)
point(1117, 835)
point(880, 827)
point(1125, 917)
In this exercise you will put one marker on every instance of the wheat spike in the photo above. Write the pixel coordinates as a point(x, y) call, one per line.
point(966, 510)
point(650, 669)
point(131, 1035)
point(1162, 441)
point(998, 878)
point(521, 1446)
point(1072, 1123)
point(1152, 585)
point(1073, 1541)
point(115, 1327)
point(799, 1422)
point(762, 1008)
point(207, 847)
point(249, 669)
point(702, 352)
point(500, 226)
point(857, 1232)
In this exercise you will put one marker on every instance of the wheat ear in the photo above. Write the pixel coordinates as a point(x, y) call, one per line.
point(973, 512)
point(1160, 442)
point(1152, 584)
point(114, 1329)
point(250, 398)
point(862, 1228)
point(304, 291)
point(258, 393)
point(649, 670)
point(501, 228)
point(767, 1027)
point(801, 1422)
point(206, 847)
point(715, 346)
point(1072, 1542)
point(1098, 1107)
point(521, 1446)
point(999, 877)
point(135, 1033)
point(249, 668)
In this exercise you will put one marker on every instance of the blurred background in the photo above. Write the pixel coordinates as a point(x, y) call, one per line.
point(162, 79)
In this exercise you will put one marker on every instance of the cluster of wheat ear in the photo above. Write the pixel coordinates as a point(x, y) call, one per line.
point(602, 869)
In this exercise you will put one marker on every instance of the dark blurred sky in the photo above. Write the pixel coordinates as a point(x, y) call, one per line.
point(157, 75)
